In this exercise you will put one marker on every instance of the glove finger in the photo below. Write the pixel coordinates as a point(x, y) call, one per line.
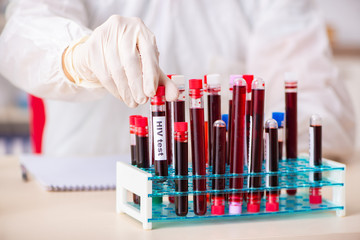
point(171, 90)
point(150, 62)
point(131, 60)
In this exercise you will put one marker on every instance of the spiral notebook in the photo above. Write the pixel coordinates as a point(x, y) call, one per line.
point(73, 173)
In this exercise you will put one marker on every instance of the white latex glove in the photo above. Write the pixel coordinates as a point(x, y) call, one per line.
point(120, 55)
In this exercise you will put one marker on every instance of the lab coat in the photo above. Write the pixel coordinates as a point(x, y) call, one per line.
point(265, 38)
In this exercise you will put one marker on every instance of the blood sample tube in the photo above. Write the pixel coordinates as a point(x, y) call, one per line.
point(219, 166)
point(272, 160)
point(142, 142)
point(315, 157)
point(249, 79)
point(213, 86)
point(237, 153)
point(291, 119)
point(181, 166)
point(279, 118)
point(175, 112)
point(230, 123)
point(159, 132)
point(198, 143)
point(132, 118)
point(256, 143)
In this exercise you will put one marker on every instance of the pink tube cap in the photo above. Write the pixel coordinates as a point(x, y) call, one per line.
point(235, 208)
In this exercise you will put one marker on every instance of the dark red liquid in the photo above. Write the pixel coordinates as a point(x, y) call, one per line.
point(230, 144)
point(257, 141)
point(214, 113)
point(291, 124)
point(238, 139)
point(136, 198)
point(168, 133)
point(142, 145)
point(248, 115)
point(317, 151)
point(179, 111)
point(273, 161)
point(219, 156)
point(161, 167)
point(198, 157)
point(181, 168)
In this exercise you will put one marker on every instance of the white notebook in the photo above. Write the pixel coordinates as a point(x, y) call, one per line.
point(73, 173)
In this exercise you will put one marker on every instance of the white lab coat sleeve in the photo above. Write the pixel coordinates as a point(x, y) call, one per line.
point(33, 41)
point(291, 36)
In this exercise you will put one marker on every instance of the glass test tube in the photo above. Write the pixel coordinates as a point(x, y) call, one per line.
point(198, 143)
point(219, 166)
point(249, 79)
point(142, 142)
point(175, 112)
point(181, 166)
point(291, 119)
point(159, 132)
point(213, 87)
point(136, 198)
point(237, 152)
point(230, 122)
point(279, 118)
point(315, 157)
point(256, 143)
point(169, 129)
point(272, 163)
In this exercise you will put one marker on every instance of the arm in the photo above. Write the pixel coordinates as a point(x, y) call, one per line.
point(290, 36)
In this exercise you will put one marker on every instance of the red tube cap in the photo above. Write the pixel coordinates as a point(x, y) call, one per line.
point(141, 122)
point(180, 126)
point(195, 84)
point(218, 209)
point(160, 92)
point(132, 119)
point(253, 207)
point(248, 79)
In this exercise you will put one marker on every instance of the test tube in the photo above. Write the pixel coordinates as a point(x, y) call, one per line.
point(198, 143)
point(279, 118)
point(256, 143)
point(291, 119)
point(159, 132)
point(315, 156)
point(219, 166)
point(272, 162)
point(237, 152)
point(213, 86)
point(230, 123)
point(136, 198)
point(142, 142)
point(249, 79)
point(175, 112)
point(181, 166)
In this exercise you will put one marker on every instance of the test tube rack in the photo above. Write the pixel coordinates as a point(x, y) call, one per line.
point(292, 174)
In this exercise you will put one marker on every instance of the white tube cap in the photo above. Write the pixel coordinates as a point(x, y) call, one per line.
point(213, 79)
point(290, 77)
point(178, 79)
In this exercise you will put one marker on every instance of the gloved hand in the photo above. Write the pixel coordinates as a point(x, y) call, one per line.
point(120, 55)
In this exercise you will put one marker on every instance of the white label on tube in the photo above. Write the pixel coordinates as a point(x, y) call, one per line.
point(267, 158)
point(159, 131)
point(311, 152)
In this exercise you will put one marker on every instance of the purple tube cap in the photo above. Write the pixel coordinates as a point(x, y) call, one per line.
point(233, 77)
point(235, 208)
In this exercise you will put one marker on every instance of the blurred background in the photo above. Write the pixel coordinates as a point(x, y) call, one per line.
point(342, 18)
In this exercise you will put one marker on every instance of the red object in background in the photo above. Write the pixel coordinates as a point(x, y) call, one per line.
point(37, 122)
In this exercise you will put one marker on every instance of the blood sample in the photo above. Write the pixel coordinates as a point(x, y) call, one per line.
point(230, 123)
point(256, 143)
point(249, 79)
point(272, 162)
point(315, 157)
point(279, 118)
point(181, 166)
point(237, 138)
point(142, 142)
point(219, 166)
point(213, 87)
point(175, 112)
point(159, 132)
point(136, 198)
point(291, 119)
point(198, 143)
